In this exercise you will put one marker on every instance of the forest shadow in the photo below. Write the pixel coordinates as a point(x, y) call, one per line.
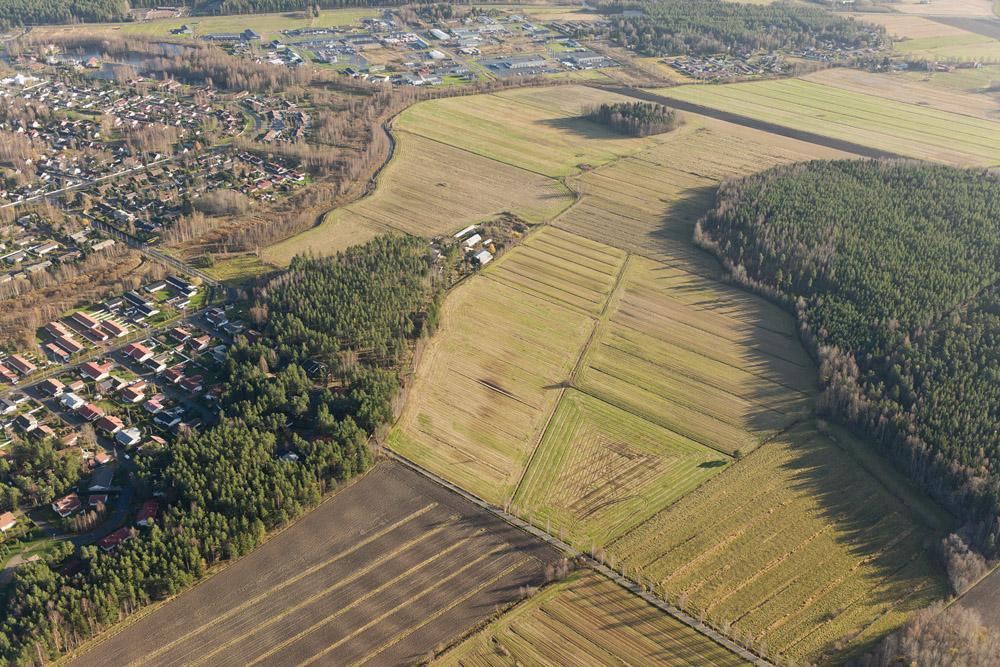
point(582, 127)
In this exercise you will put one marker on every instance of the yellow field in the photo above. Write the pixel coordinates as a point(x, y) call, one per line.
point(599, 471)
point(709, 362)
point(796, 546)
point(490, 378)
point(901, 128)
point(430, 188)
point(904, 87)
point(648, 203)
point(537, 129)
point(587, 620)
point(909, 26)
point(946, 7)
point(562, 268)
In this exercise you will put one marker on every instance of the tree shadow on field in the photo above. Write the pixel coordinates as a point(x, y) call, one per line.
point(582, 127)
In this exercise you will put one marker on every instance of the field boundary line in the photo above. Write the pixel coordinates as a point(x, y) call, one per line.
point(441, 612)
point(553, 541)
point(370, 594)
point(332, 588)
point(570, 380)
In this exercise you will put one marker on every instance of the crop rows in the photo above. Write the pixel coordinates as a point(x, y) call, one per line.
point(795, 547)
point(599, 471)
point(587, 620)
point(893, 126)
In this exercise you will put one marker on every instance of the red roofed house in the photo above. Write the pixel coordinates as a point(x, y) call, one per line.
point(174, 374)
point(56, 353)
point(21, 365)
point(192, 384)
point(7, 521)
point(90, 412)
point(69, 344)
point(8, 375)
point(66, 505)
point(96, 498)
point(109, 424)
point(52, 387)
point(134, 394)
point(85, 320)
point(146, 513)
point(200, 343)
point(113, 328)
point(138, 352)
point(94, 371)
point(109, 542)
point(180, 334)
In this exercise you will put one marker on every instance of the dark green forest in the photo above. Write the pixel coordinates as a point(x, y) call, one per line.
point(34, 12)
point(705, 27)
point(228, 485)
point(636, 119)
point(893, 269)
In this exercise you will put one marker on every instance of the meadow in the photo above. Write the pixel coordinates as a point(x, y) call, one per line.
point(799, 548)
point(704, 360)
point(885, 124)
point(537, 129)
point(913, 88)
point(586, 620)
point(647, 203)
point(966, 46)
point(429, 188)
point(383, 572)
point(599, 471)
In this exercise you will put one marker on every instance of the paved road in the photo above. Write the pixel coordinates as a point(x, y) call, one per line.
point(632, 586)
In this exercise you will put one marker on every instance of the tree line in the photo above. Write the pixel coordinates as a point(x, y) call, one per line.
point(230, 484)
point(637, 119)
point(706, 27)
point(35, 12)
point(893, 269)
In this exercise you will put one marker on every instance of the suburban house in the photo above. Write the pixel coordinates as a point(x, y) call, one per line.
point(138, 352)
point(90, 412)
point(66, 505)
point(101, 479)
point(110, 542)
point(21, 365)
point(7, 521)
point(109, 424)
point(71, 401)
point(52, 387)
point(146, 513)
point(94, 371)
point(129, 437)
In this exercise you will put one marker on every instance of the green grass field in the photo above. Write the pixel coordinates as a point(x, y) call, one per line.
point(797, 546)
point(951, 47)
point(599, 471)
point(906, 129)
point(587, 621)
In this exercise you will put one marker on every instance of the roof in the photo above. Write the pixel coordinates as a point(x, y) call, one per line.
point(109, 542)
point(147, 511)
point(7, 519)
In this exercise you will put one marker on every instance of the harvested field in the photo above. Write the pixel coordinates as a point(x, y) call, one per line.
point(965, 46)
point(648, 203)
point(562, 268)
point(537, 129)
point(486, 384)
point(880, 123)
point(798, 546)
point(903, 88)
point(909, 26)
point(945, 7)
point(599, 471)
point(586, 620)
point(380, 574)
point(430, 188)
point(707, 361)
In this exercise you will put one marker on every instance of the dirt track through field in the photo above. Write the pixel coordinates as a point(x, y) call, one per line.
point(380, 574)
point(746, 121)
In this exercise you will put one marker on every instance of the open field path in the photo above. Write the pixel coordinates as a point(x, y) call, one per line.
point(746, 121)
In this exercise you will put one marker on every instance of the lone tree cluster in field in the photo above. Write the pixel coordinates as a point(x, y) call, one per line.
point(637, 119)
